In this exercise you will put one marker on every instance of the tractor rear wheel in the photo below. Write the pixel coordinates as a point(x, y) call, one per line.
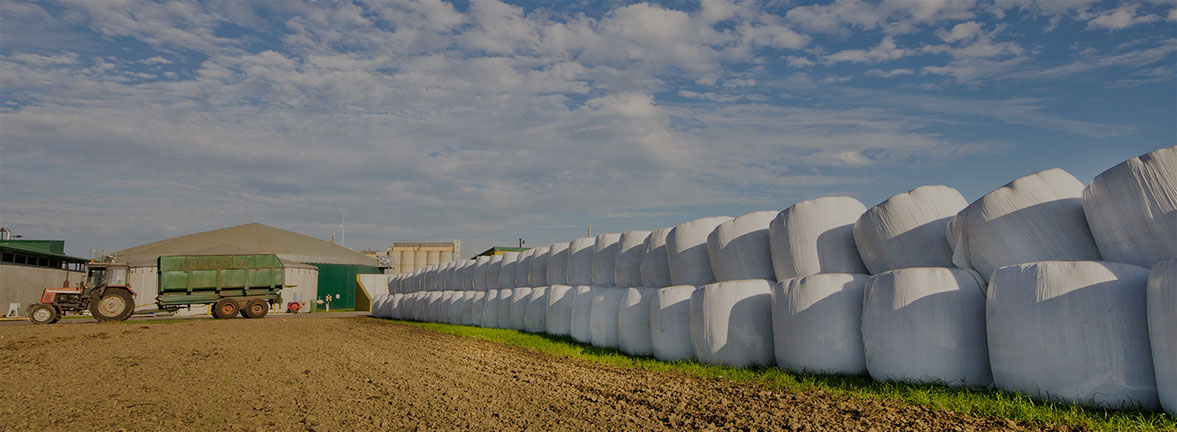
point(114, 305)
point(225, 308)
point(255, 309)
point(42, 313)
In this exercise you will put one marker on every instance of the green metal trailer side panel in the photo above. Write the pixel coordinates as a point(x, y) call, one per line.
point(341, 279)
point(198, 279)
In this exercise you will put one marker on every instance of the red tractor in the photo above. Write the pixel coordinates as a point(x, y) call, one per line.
point(104, 292)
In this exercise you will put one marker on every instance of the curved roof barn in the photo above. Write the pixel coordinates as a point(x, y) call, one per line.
point(252, 238)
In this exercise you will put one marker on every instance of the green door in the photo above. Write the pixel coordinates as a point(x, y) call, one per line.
point(340, 279)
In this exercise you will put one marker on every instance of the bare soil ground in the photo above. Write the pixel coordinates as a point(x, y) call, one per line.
point(358, 373)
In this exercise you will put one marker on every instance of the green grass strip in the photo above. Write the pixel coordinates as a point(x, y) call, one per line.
point(972, 401)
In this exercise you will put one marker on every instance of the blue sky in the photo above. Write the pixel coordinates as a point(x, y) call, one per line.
point(124, 122)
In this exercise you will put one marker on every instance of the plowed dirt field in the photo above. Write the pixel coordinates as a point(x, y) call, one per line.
point(359, 373)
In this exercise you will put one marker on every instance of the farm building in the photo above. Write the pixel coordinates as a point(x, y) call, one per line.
point(27, 267)
point(317, 268)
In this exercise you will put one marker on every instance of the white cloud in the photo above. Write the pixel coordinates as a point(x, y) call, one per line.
point(799, 62)
point(1120, 18)
point(884, 51)
point(736, 82)
point(962, 31)
point(889, 73)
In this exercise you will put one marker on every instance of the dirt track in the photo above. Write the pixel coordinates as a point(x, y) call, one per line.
point(367, 374)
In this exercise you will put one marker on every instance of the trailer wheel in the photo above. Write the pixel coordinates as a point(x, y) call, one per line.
point(225, 308)
point(114, 305)
point(43, 314)
point(255, 309)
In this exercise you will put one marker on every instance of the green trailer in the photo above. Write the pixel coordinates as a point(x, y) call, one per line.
point(248, 284)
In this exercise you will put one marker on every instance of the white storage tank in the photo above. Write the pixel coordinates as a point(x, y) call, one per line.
point(1072, 331)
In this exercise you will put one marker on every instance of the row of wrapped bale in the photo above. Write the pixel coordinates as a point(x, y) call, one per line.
point(961, 293)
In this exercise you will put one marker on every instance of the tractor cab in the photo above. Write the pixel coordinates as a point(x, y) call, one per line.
point(106, 274)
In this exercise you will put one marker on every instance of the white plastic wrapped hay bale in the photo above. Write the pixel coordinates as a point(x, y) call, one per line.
point(907, 230)
point(627, 271)
point(604, 258)
point(633, 321)
point(731, 323)
point(816, 236)
point(926, 324)
point(1162, 330)
point(1132, 209)
point(582, 305)
point(505, 299)
point(536, 312)
point(686, 251)
point(580, 261)
point(441, 309)
point(478, 308)
point(490, 309)
point(507, 271)
point(457, 305)
point(654, 269)
point(670, 323)
point(377, 302)
point(538, 275)
point(1038, 217)
point(738, 249)
point(558, 264)
point(523, 268)
point(558, 318)
point(435, 306)
point(398, 306)
point(481, 266)
point(603, 315)
point(468, 308)
point(817, 323)
point(519, 299)
point(1073, 331)
point(494, 269)
point(468, 268)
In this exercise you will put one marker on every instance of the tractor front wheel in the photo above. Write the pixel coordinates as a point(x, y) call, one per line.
point(42, 313)
point(114, 305)
point(226, 308)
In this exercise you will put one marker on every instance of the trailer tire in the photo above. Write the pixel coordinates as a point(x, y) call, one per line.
point(113, 305)
point(255, 309)
point(225, 308)
point(42, 313)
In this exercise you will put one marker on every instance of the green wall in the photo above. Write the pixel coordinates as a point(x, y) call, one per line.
point(341, 279)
